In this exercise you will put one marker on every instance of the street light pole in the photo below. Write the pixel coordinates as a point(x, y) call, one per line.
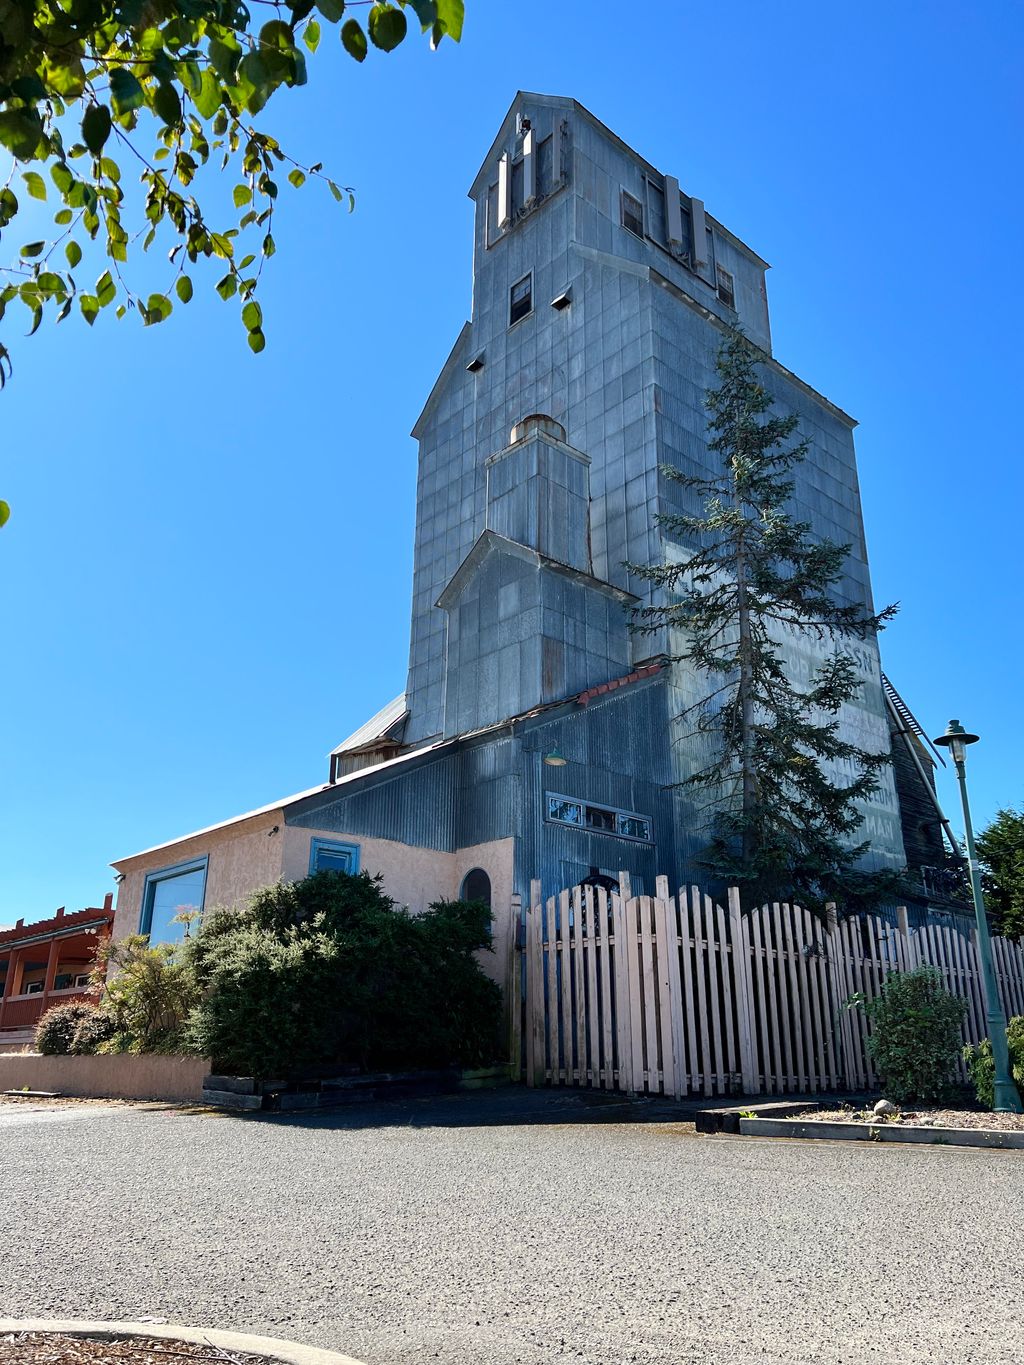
point(1007, 1097)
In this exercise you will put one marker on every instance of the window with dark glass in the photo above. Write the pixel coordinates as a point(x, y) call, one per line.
point(632, 214)
point(564, 810)
point(327, 856)
point(545, 167)
point(493, 228)
point(726, 288)
point(517, 186)
point(656, 212)
point(168, 897)
point(520, 300)
point(476, 886)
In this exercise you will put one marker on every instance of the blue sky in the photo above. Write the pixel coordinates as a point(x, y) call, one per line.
point(205, 583)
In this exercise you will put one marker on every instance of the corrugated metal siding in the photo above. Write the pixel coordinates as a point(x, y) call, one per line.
point(415, 806)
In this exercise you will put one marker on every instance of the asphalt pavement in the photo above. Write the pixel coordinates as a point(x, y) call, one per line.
point(514, 1228)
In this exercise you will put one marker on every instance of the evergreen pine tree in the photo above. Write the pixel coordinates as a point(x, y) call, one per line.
point(781, 788)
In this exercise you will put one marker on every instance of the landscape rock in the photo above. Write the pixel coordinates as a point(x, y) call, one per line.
point(886, 1109)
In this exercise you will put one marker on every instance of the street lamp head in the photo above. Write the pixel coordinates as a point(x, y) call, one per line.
point(955, 740)
point(555, 759)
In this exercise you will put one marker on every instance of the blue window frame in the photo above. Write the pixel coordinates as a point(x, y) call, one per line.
point(325, 855)
point(169, 892)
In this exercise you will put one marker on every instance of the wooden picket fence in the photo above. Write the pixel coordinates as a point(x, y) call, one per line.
point(678, 995)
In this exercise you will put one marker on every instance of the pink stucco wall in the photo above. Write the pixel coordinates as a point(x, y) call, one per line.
point(249, 854)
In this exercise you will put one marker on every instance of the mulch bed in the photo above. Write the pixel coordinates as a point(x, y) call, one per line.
point(923, 1118)
point(52, 1348)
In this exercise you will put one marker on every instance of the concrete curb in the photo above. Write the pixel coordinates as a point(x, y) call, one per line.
point(882, 1132)
point(287, 1352)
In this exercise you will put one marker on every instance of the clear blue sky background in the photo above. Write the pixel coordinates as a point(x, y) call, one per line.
point(206, 579)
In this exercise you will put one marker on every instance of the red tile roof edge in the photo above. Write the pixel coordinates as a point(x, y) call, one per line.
point(635, 676)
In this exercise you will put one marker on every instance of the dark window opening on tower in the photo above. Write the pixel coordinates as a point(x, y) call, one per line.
point(726, 288)
point(632, 214)
point(520, 300)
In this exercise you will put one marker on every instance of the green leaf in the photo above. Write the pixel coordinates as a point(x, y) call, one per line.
point(35, 184)
point(167, 104)
point(8, 206)
point(426, 13)
point(296, 178)
point(74, 254)
point(332, 10)
point(106, 290)
point(21, 131)
point(227, 287)
point(61, 176)
point(252, 316)
point(353, 40)
point(158, 307)
point(32, 249)
point(96, 127)
point(335, 191)
point(126, 92)
point(207, 98)
point(5, 512)
point(311, 35)
point(450, 15)
point(183, 288)
point(242, 195)
point(269, 245)
point(257, 341)
point(278, 35)
point(63, 217)
point(387, 27)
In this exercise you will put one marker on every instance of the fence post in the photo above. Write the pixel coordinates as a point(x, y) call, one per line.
point(841, 1024)
point(514, 983)
point(743, 991)
point(535, 987)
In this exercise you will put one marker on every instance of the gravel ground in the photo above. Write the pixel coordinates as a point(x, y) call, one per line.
point(513, 1229)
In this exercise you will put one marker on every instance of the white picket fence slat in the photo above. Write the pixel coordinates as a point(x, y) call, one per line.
point(677, 995)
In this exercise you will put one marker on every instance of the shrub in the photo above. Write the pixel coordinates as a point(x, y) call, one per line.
point(94, 1029)
point(330, 971)
point(55, 1032)
point(982, 1068)
point(915, 1038)
point(147, 996)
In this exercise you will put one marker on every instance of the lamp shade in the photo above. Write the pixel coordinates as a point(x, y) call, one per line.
point(955, 736)
point(554, 759)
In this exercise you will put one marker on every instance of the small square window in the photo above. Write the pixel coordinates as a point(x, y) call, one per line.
point(726, 288)
point(565, 812)
point(520, 300)
point(632, 214)
point(327, 856)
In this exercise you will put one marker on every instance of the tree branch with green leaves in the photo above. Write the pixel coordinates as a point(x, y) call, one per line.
point(92, 88)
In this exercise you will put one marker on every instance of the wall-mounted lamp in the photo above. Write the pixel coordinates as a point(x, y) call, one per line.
point(119, 877)
point(273, 831)
point(555, 759)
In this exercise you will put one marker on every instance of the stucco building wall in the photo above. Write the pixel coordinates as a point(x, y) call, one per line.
point(242, 856)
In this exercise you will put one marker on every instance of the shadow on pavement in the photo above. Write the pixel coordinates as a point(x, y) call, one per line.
point(506, 1106)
